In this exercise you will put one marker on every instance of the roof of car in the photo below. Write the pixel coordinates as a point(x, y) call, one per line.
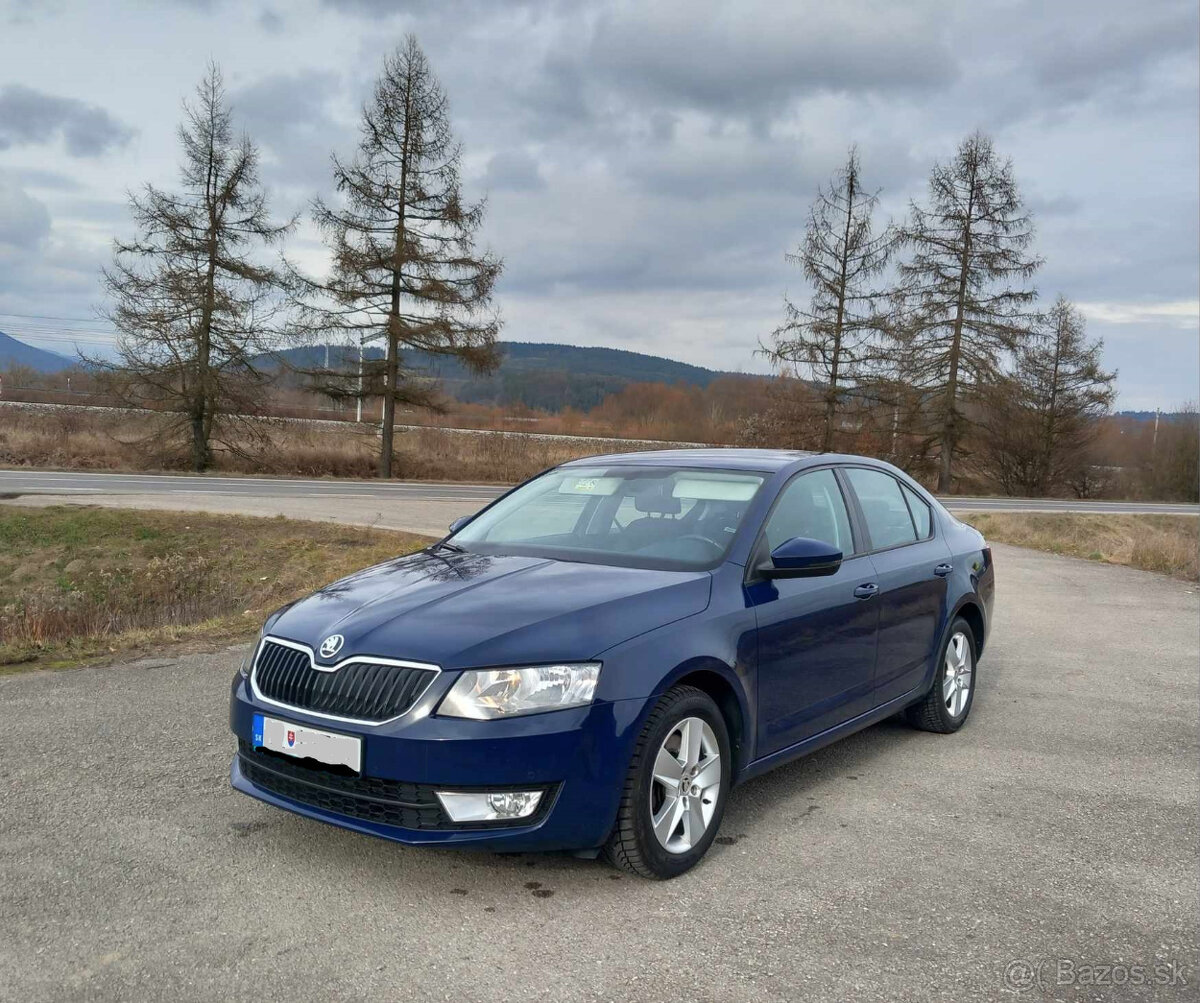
point(726, 458)
point(717, 458)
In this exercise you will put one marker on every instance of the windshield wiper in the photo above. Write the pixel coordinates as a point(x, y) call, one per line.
point(454, 548)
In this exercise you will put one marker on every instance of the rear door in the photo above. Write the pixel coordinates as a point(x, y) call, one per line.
point(910, 561)
point(816, 639)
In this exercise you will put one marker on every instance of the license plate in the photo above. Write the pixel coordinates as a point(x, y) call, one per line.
point(307, 743)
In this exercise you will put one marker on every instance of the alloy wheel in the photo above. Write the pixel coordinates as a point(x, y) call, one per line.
point(686, 785)
point(956, 678)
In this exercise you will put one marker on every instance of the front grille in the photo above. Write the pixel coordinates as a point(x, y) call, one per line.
point(361, 690)
point(371, 799)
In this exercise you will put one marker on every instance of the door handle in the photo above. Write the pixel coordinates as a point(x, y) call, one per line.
point(942, 570)
point(865, 591)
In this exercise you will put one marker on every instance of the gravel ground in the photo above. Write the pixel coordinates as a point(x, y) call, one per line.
point(1057, 830)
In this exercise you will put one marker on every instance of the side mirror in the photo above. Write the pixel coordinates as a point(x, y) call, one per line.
point(458, 523)
point(801, 557)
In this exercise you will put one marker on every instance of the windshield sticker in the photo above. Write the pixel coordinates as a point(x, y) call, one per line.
point(589, 486)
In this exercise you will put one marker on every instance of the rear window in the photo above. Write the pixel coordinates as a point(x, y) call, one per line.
point(921, 512)
point(888, 520)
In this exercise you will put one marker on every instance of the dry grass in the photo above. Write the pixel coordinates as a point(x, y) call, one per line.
point(83, 583)
point(95, 440)
point(1168, 544)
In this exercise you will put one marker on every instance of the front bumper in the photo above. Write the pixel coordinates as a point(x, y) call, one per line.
point(579, 756)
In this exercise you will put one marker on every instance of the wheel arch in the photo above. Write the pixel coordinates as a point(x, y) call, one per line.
point(971, 610)
point(715, 678)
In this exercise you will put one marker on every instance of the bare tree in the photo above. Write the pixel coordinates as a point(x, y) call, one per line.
point(831, 340)
point(190, 296)
point(405, 268)
point(1038, 422)
point(1172, 469)
point(1071, 391)
point(966, 286)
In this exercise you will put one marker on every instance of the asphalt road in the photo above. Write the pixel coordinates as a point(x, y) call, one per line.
point(413, 505)
point(1057, 830)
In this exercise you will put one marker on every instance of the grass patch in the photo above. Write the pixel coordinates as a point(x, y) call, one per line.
point(1168, 544)
point(78, 584)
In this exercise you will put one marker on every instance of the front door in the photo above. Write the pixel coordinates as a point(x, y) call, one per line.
point(816, 639)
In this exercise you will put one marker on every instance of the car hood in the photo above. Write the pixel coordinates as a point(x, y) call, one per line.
point(463, 610)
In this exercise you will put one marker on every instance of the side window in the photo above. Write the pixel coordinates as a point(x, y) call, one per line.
point(812, 506)
point(883, 507)
point(921, 514)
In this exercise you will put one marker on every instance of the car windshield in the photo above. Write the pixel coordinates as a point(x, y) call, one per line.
point(670, 518)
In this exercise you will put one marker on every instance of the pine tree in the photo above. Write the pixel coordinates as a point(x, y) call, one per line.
point(965, 283)
point(191, 298)
point(832, 341)
point(405, 268)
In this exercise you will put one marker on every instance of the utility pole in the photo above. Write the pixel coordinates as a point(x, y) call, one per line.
point(358, 415)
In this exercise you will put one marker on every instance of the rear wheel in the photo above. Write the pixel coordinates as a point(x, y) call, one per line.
point(676, 787)
point(948, 703)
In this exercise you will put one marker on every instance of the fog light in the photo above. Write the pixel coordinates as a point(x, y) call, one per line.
point(489, 806)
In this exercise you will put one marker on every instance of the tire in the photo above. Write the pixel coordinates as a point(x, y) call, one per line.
point(944, 709)
point(681, 714)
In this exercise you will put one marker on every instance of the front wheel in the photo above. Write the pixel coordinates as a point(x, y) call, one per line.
point(676, 787)
point(946, 706)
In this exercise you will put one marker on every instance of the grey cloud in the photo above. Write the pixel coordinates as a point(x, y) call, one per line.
point(513, 170)
point(108, 211)
point(390, 8)
point(270, 20)
point(374, 8)
point(1129, 260)
point(45, 180)
point(29, 116)
point(756, 58)
point(1054, 205)
point(1118, 49)
point(783, 167)
point(288, 116)
point(24, 221)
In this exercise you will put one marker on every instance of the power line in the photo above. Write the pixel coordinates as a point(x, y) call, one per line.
point(40, 316)
point(33, 328)
point(82, 338)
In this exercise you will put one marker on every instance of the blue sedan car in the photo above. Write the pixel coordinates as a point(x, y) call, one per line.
point(594, 660)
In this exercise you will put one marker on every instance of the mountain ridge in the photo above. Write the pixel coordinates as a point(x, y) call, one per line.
point(543, 375)
point(14, 352)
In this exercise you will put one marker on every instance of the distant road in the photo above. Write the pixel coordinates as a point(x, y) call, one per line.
point(456, 496)
point(78, 482)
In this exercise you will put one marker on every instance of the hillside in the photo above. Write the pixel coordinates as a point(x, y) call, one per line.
point(17, 353)
point(537, 375)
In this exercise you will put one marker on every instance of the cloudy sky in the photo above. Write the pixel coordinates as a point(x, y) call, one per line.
point(647, 165)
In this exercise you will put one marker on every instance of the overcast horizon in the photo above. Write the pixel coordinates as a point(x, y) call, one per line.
point(647, 167)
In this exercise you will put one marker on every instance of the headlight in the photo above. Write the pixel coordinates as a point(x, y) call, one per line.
point(485, 694)
point(248, 658)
